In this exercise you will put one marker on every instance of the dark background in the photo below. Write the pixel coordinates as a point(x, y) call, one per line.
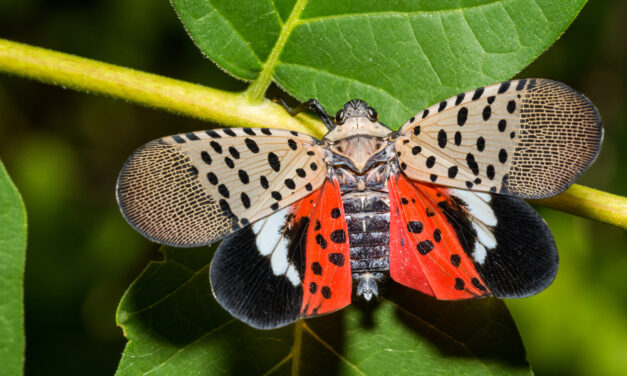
point(64, 150)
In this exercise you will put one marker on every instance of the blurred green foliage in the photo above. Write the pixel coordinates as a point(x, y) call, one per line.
point(64, 149)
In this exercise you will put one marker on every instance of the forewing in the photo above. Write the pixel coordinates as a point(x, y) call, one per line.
point(457, 244)
point(528, 138)
point(328, 281)
point(195, 188)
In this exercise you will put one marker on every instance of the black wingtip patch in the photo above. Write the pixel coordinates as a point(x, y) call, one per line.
point(244, 284)
point(525, 261)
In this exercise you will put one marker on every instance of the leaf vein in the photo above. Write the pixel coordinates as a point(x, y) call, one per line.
point(422, 51)
point(332, 350)
point(394, 13)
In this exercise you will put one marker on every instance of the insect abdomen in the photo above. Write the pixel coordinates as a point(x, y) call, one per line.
point(368, 221)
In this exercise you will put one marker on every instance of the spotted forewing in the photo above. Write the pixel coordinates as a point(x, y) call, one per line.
point(195, 188)
point(524, 138)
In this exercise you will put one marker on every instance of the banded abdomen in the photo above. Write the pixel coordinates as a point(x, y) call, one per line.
point(368, 221)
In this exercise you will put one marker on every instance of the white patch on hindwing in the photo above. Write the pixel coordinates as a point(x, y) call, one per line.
point(272, 242)
point(484, 235)
point(479, 253)
point(477, 207)
point(482, 219)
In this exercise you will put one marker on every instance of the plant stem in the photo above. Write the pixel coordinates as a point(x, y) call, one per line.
point(589, 203)
point(233, 109)
point(297, 347)
point(257, 88)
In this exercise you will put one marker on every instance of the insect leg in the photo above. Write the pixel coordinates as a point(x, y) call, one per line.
point(311, 104)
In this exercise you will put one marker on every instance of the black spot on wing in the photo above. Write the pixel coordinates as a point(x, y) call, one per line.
point(459, 99)
point(213, 179)
point(486, 113)
point(442, 138)
point(290, 184)
point(274, 162)
point(245, 200)
point(521, 84)
point(415, 227)
point(424, 247)
point(292, 144)
point(234, 152)
point(316, 268)
point(243, 176)
point(458, 138)
point(216, 146)
point(213, 134)
point(205, 157)
point(462, 116)
point(477, 94)
point(191, 136)
point(504, 87)
point(472, 163)
point(456, 260)
point(336, 259)
point(502, 125)
point(338, 236)
point(251, 145)
point(452, 172)
point(480, 144)
point(430, 162)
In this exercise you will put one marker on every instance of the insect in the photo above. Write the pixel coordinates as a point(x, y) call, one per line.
point(436, 206)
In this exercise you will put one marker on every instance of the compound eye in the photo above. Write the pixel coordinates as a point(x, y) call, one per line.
point(372, 114)
point(340, 117)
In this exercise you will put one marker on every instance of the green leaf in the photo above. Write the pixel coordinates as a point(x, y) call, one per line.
point(175, 326)
point(399, 56)
point(12, 253)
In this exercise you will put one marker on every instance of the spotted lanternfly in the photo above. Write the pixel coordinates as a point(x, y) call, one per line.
point(436, 205)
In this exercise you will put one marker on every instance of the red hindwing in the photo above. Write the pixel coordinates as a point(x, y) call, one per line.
point(425, 250)
point(327, 285)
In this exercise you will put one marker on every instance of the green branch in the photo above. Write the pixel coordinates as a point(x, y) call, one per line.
point(232, 109)
point(590, 203)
